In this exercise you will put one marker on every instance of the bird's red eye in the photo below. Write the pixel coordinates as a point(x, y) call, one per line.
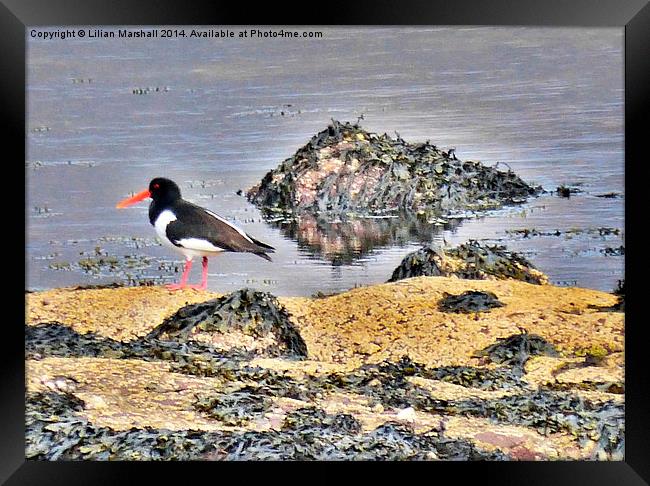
point(156, 186)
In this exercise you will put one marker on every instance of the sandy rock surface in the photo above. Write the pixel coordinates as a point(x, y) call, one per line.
point(363, 326)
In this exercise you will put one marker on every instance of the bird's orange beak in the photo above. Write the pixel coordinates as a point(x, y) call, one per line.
point(134, 199)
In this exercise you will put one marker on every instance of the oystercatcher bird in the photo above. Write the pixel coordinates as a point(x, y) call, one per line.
point(192, 230)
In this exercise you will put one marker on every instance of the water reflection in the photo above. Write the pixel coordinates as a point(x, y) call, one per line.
point(345, 241)
point(512, 95)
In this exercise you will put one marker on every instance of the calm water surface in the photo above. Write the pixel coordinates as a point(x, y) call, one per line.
point(548, 102)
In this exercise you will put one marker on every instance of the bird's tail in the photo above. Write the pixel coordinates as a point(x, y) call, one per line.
point(267, 248)
point(263, 255)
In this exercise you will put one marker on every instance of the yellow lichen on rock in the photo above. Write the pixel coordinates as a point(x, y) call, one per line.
point(370, 324)
point(403, 318)
point(122, 314)
point(125, 393)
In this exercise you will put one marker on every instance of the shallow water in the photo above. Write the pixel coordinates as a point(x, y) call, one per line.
point(548, 102)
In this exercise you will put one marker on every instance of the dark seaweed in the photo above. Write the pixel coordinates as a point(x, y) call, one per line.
point(515, 350)
point(54, 429)
point(469, 301)
point(254, 313)
point(608, 251)
point(530, 232)
point(235, 408)
point(477, 377)
point(54, 432)
point(56, 339)
point(307, 434)
point(610, 195)
point(566, 191)
point(550, 412)
point(479, 259)
point(419, 263)
point(620, 291)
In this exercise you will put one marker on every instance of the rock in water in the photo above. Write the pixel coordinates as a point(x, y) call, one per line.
point(347, 169)
point(471, 260)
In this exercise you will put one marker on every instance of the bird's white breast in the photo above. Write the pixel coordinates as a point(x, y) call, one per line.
point(160, 225)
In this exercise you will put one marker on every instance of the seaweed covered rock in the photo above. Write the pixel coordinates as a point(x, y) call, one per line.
point(471, 260)
point(235, 408)
point(620, 291)
point(551, 412)
point(307, 418)
point(316, 435)
point(478, 377)
point(470, 301)
point(56, 430)
point(516, 349)
point(56, 339)
point(245, 317)
point(346, 169)
point(57, 426)
point(171, 397)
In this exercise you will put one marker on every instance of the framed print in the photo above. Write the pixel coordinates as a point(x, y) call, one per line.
point(396, 235)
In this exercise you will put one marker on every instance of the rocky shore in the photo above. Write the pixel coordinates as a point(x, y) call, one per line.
point(466, 353)
point(423, 368)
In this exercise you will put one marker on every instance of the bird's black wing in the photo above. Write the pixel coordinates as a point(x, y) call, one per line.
point(196, 225)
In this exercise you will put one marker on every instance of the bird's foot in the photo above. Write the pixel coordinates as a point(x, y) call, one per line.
point(175, 286)
point(197, 287)
point(186, 286)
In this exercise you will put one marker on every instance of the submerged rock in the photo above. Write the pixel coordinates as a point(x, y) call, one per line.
point(472, 260)
point(566, 191)
point(345, 169)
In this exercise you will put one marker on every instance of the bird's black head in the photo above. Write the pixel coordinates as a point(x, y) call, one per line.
point(161, 190)
point(164, 190)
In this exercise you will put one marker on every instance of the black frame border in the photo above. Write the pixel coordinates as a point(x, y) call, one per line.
point(634, 15)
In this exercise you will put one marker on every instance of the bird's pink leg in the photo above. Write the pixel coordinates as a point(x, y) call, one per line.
point(186, 272)
point(204, 276)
